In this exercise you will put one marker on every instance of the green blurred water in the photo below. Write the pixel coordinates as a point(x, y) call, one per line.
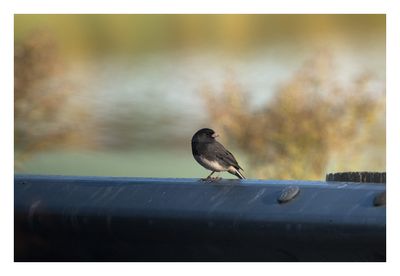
point(134, 163)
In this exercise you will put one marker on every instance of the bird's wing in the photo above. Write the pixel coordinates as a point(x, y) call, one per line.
point(225, 155)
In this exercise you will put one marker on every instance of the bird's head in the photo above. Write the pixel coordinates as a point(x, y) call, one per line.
point(204, 135)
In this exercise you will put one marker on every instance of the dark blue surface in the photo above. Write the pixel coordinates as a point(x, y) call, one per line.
point(109, 218)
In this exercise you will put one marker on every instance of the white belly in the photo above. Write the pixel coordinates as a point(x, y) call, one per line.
point(210, 165)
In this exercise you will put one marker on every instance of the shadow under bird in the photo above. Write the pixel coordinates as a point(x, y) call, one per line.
point(212, 155)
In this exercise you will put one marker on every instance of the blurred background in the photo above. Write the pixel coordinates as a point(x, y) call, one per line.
point(292, 96)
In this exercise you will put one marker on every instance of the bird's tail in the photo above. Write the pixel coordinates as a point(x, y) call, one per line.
point(239, 174)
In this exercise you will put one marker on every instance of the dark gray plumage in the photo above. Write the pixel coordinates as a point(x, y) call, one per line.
point(212, 155)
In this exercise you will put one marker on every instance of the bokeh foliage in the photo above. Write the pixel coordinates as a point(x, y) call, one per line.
point(46, 115)
point(311, 118)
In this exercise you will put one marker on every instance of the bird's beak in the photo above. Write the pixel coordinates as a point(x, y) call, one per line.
point(215, 135)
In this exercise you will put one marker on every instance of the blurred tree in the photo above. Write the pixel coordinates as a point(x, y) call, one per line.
point(45, 112)
point(310, 118)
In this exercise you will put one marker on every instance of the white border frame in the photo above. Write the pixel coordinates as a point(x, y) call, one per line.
point(7, 11)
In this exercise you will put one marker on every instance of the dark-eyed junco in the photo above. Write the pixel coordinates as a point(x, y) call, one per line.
point(212, 155)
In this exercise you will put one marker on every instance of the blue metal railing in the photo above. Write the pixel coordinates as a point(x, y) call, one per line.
point(64, 218)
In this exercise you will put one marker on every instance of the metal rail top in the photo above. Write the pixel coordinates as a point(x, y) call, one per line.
point(121, 218)
point(151, 180)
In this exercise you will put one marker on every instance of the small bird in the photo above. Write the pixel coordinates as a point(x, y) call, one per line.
point(209, 153)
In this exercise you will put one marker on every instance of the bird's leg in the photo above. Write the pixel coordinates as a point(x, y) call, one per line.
point(216, 178)
point(209, 177)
